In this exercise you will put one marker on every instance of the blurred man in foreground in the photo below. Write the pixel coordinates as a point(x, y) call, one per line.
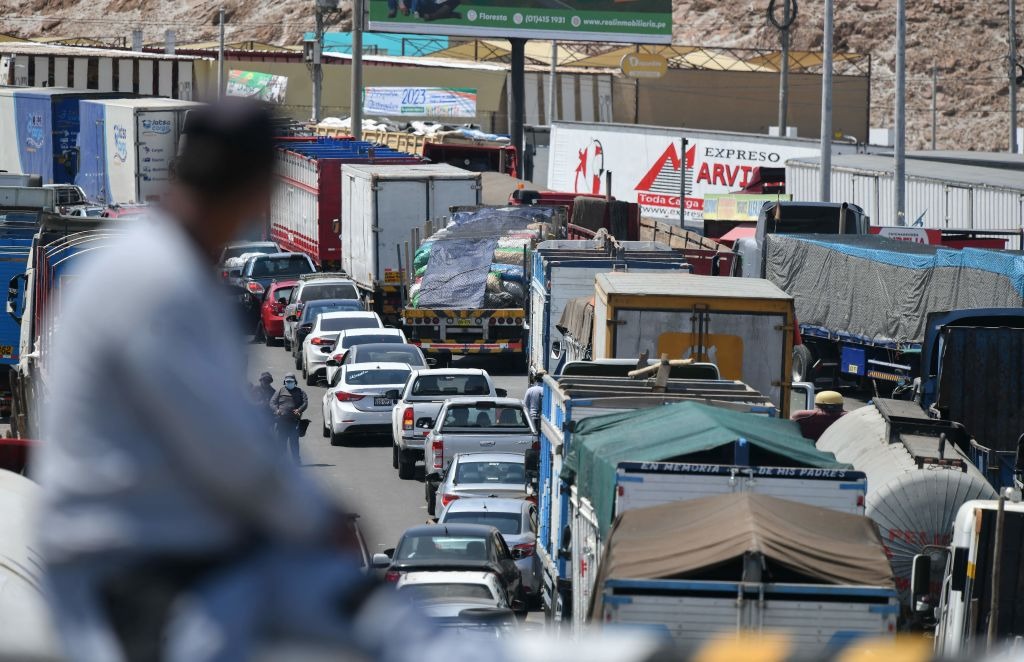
point(170, 527)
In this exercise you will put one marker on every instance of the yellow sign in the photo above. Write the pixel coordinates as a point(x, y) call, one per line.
point(643, 65)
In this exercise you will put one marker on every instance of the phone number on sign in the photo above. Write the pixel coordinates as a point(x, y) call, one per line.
point(530, 18)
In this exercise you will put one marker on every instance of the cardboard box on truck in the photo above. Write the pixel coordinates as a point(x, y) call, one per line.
point(126, 147)
point(745, 326)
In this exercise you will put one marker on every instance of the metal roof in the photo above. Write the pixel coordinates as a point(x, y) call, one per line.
point(928, 170)
point(411, 171)
point(37, 48)
point(675, 283)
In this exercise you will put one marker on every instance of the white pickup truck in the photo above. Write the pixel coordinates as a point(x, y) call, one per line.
point(475, 425)
point(420, 401)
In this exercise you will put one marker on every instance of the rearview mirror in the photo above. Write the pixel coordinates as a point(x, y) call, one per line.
point(801, 396)
point(501, 392)
point(556, 350)
point(920, 582)
point(517, 554)
point(380, 560)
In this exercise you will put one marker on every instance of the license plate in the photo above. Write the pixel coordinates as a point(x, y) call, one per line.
point(463, 321)
point(383, 402)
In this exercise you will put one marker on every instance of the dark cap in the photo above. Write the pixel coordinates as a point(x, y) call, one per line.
point(266, 377)
point(226, 147)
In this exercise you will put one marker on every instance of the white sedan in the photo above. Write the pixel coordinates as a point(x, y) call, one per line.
point(318, 345)
point(356, 403)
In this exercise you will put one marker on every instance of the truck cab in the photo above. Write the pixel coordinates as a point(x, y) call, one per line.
point(965, 602)
point(798, 218)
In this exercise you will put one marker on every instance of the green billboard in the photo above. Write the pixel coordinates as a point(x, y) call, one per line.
point(630, 21)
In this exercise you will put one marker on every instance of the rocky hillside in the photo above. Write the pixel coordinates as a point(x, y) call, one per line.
point(964, 39)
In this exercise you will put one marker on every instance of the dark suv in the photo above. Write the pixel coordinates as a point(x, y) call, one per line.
point(262, 270)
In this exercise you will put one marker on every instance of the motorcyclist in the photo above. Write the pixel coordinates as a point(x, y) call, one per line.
point(287, 404)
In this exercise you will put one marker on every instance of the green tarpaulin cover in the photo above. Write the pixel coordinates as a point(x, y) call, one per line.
point(673, 432)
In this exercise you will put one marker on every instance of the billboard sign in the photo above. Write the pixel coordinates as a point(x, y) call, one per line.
point(629, 21)
point(643, 65)
point(256, 85)
point(646, 164)
point(420, 101)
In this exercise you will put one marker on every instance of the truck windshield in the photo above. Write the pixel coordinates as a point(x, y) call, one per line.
point(275, 267)
point(450, 385)
point(328, 291)
point(488, 419)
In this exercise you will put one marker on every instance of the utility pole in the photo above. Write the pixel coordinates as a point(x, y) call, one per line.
point(220, 58)
point(935, 104)
point(826, 107)
point(1013, 76)
point(551, 83)
point(517, 109)
point(899, 151)
point(357, 69)
point(317, 63)
point(789, 10)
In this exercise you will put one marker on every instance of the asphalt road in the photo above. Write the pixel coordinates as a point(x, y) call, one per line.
point(360, 475)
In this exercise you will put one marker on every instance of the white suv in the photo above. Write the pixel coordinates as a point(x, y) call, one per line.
point(311, 287)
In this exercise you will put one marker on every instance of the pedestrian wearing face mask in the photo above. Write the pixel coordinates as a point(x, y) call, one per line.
point(288, 404)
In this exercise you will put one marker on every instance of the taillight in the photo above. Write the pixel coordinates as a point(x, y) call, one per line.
point(321, 341)
point(407, 422)
point(254, 287)
point(342, 396)
point(224, 274)
point(525, 549)
point(448, 498)
point(437, 452)
point(392, 576)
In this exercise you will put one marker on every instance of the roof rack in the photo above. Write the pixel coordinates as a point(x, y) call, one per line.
point(322, 275)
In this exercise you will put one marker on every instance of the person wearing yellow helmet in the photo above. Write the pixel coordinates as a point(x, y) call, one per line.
point(828, 408)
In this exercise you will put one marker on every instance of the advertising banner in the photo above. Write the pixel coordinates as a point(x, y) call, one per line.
point(645, 164)
point(420, 101)
point(630, 21)
point(256, 85)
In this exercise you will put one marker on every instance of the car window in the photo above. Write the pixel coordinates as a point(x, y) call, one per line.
point(487, 419)
point(451, 385)
point(328, 291)
point(375, 377)
point(397, 354)
point(349, 341)
point(509, 524)
point(346, 323)
point(445, 591)
point(501, 548)
point(293, 265)
point(490, 472)
point(283, 292)
point(442, 547)
point(312, 309)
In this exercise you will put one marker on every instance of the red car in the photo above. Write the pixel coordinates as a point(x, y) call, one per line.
point(272, 311)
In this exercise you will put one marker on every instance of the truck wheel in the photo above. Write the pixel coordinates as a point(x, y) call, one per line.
point(394, 455)
point(803, 364)
point(406, 467)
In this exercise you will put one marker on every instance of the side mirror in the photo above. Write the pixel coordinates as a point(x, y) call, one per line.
point(920, 582)
point(556, 349)
point(380, 560)
point(331, 363)
point(393, 394)
point(801, 396)
point(517, 554)
point(501, 392)
point(565, 544)
point(518, 605)
point(431, 362)
point(291, 318)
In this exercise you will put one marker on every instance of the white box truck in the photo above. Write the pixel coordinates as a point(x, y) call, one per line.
point(126, 147)
point(380, 206)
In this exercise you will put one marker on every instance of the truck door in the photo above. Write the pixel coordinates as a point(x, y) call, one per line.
point(157, 136)
point(745, 346)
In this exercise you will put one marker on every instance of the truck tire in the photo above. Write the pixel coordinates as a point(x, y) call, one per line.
point(803, 364)
point(406, 467)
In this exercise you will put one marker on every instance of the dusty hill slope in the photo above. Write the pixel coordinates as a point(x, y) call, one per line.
point(965, 39)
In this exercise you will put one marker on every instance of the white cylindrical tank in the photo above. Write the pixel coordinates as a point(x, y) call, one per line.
point(26, 632)
point(913, 506)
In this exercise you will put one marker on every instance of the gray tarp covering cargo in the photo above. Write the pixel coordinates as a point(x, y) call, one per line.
point(880, 290)
point(577, 321)
point(799, 543)
point(479, 259)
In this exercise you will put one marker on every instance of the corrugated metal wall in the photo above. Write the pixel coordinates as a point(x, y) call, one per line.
point(940, 204)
